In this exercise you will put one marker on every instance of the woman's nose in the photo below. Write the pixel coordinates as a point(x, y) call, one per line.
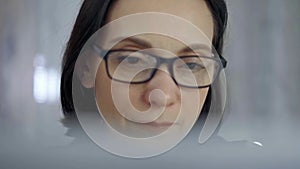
point(161, 90)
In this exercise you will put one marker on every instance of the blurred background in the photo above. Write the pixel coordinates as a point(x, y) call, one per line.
point(262, 48)
point(263, 52)
point(33, 36)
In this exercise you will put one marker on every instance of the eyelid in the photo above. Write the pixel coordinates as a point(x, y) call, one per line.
point(133, 40)
point(130, 48)
point(199, 53)
point(139, 56)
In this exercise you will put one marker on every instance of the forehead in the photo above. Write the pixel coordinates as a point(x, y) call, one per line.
point(194, 11)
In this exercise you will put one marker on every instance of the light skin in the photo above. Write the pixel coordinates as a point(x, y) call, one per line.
point(163, 90)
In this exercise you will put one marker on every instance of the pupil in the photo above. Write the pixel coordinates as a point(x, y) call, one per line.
point(132, 60)
point(191, 65)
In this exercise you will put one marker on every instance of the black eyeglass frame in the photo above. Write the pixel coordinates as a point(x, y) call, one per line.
point(169, 61)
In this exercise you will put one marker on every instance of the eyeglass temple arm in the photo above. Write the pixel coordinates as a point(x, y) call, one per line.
point(223, 61)
point(100, 51)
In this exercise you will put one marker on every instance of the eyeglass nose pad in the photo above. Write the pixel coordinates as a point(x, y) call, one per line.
point(164, 70)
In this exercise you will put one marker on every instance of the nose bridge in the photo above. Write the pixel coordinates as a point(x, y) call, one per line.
point(165, 65)
point(163, 78)
point(162, 81)
point(164, 60)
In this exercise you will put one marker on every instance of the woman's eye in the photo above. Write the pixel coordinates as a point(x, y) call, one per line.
point(132, 60)
point(129, 59)
point(192, 66)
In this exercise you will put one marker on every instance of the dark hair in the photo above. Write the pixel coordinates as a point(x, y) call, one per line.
point(91, 17)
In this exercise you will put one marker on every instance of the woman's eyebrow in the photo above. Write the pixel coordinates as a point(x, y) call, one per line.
point(192, 47)
point(146, 44)
point(134, 40)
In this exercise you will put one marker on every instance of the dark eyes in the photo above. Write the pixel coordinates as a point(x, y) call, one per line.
point(191, 66)
point(129, 59)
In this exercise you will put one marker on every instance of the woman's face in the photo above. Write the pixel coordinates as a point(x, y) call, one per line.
point(161, 95)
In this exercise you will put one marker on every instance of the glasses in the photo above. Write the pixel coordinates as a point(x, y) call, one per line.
point(135, 67)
